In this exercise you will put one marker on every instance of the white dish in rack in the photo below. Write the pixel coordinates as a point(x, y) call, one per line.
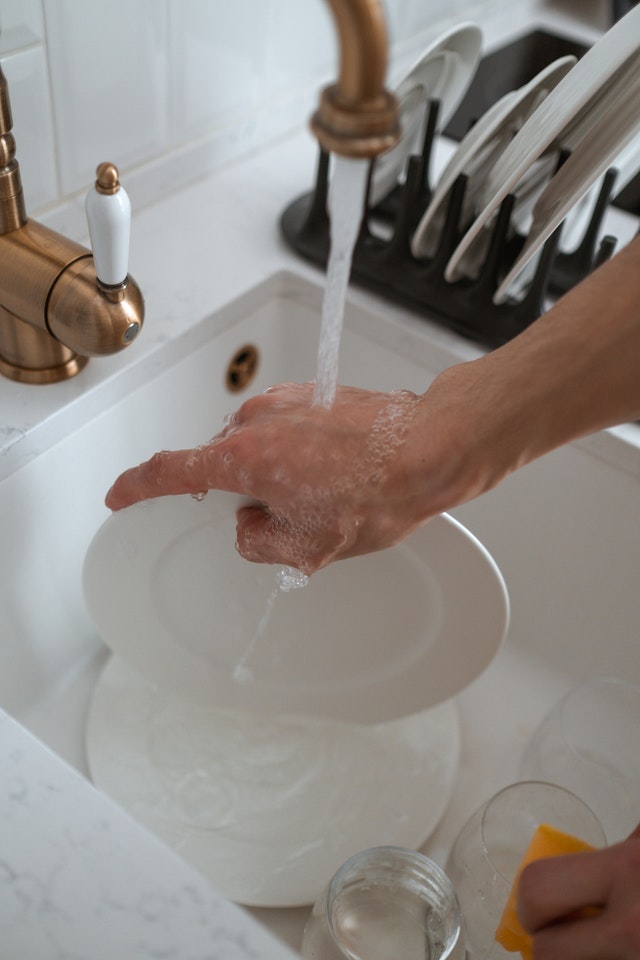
point(565, 117)
point(478, 150)
point(581, 172)
point(443, 73)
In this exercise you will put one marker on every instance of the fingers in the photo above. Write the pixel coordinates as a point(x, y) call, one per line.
point(585, 906)
point(172, 472)
point(584, 939)
point(263, 537)
point(553, 888)
point(553, 895)
point(209, 466)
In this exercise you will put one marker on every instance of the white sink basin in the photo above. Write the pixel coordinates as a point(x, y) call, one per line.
point(565, 531)
point(53, 506)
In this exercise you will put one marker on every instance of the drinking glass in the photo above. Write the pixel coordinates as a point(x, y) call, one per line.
point(485, 857)
point(588, 743)
point(382, 904)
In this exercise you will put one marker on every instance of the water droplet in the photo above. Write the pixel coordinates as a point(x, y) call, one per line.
point(290, 578)
point(242, 674)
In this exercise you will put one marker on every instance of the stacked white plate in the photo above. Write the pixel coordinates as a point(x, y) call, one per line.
point(267, 736)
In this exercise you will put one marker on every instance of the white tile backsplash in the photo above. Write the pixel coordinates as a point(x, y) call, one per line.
point(21, 24)
point(26, 75)
point(109, 78)
point(218, 63)
point(171, 89)
point(302, 47)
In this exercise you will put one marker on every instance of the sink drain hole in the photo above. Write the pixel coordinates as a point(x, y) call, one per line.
point(242, 368)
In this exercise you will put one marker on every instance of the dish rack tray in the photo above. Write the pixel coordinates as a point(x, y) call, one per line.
point(383, 261)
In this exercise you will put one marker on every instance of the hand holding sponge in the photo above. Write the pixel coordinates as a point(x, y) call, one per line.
point(546, 842)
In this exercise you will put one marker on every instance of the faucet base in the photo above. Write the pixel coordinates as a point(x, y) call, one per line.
point(49, 375)
point(30, 355)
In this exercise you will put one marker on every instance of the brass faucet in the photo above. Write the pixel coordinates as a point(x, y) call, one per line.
point(357, 117)
point(54, 312)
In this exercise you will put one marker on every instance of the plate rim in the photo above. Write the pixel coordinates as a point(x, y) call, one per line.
point(160, 654)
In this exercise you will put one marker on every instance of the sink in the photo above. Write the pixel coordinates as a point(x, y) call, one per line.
point(565, 531)
point(50, 654)
point(53, 661)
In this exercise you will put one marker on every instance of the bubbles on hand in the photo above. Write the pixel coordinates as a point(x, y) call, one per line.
point(320, 520)
point(389, 432)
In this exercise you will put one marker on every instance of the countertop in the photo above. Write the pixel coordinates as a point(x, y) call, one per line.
point(78, 877)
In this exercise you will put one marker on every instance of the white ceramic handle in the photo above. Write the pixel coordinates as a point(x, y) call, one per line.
point(109, 217)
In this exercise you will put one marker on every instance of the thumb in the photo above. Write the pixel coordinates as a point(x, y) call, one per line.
point(264, 537)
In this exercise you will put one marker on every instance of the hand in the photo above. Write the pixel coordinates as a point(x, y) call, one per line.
point(362, 475)
point(328, 484)
point(552, 893)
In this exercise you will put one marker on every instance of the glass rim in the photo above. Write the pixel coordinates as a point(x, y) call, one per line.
point(390, 854)
point(551, 788)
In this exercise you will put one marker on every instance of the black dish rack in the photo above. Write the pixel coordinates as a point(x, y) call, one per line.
point(383, 262)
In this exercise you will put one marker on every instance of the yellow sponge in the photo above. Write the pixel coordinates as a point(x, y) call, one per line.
point(546, 842)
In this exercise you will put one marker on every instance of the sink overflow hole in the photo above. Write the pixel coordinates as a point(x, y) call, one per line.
point(242, 368)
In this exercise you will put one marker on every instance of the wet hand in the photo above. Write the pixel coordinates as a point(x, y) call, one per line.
point(327, 484)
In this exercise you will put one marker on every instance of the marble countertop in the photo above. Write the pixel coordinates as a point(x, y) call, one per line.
point(78, 877)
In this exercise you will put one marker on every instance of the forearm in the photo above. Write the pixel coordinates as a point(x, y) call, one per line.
point(574, 371)
point(582, 359)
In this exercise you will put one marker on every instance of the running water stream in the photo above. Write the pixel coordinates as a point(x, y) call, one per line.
point(346, 205)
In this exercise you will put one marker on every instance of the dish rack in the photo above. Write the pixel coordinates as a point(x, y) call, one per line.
point(383, 261)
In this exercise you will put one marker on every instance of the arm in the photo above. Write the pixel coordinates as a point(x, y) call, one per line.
point(361, 476)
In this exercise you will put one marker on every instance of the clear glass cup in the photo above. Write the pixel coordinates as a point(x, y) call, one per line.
point(487, 852)
point(588, 743)
point(386, 903)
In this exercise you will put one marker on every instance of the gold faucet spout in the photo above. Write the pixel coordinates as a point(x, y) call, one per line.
point(357, 116)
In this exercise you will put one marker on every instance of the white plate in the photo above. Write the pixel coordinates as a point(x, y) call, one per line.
point(478, 150)
point(368, 640)
point(443, 72)
point(268, 810)
point(572, 182)
point(602, 72)
point(627, 165)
